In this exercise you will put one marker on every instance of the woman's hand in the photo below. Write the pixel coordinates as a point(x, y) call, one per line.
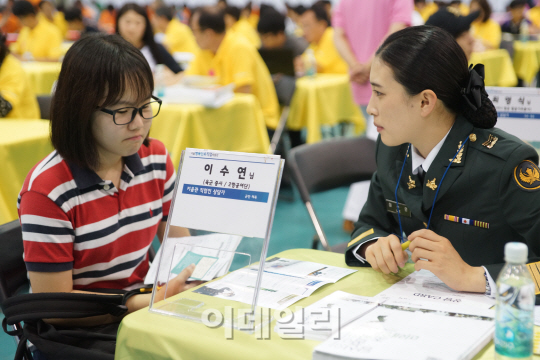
point(178, 284)
point(386, 254)
point(436, 254)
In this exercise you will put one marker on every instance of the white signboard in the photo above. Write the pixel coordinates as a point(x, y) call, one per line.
point(518, 111)
point(226, 192)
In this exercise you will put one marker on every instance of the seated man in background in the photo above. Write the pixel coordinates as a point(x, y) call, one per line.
point(271, 30)
point(38, 40)
point(513, 26)
point(178, 36)
point(49, 13)
point(459, 26)
point(75, 22)
point(241, 26)
point(17, 99)
point(320, 35)
point(232, 59)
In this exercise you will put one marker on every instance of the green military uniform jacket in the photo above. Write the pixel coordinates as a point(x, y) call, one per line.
point(496, 182)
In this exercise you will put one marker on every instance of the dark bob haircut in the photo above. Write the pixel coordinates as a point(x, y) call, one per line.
point(22, 8)
point(96, 72)
point(428, 57)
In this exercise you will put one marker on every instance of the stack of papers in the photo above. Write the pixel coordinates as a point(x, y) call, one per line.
point(284, 282)
point(202, 90)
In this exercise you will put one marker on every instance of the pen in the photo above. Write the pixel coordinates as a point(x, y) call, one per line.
point(406, 244)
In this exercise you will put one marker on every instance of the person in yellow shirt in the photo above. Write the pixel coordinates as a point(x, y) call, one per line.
point(534, 16)
point(241, 26)
point(320, 36)
point(425, 9)
point(232, 59)
point(485, 30)
point(178, 36)
point(49, 13)
point(17, 100)
point(39, 39)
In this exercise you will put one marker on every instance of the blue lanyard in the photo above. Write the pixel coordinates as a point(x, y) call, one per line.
point(400, 236)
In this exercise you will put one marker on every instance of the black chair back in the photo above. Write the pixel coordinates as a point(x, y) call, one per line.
point(13, 275)
point(44, 103)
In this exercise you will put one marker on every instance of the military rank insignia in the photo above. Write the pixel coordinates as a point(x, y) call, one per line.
point(466, 221)
point(527, 175)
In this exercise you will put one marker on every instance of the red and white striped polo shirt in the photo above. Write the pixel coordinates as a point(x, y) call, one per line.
point(73, 220)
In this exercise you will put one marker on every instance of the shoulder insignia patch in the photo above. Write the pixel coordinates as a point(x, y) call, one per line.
point(527, 175)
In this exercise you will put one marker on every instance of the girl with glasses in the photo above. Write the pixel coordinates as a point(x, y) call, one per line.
point(90, 210)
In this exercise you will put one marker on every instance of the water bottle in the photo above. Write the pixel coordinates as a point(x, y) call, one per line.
point(310, 63)
point(524, 31)
point(159, 77)
point(514, 310)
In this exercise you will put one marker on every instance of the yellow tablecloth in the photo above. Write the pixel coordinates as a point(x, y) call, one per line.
point(499, 70)
point(527, 59)
point(145, 335)
point(325, 99)
point(236, 126)
point(23, 143)
point(42, 75)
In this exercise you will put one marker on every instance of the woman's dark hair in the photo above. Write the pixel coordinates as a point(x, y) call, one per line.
point(90, 80)
point(427, 57)
point(486, 9)
point(148, 36)
point(4, 50)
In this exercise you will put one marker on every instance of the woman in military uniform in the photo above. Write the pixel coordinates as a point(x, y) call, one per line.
point(448, 181)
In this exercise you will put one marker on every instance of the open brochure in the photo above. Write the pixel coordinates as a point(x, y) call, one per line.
point(388, 333)
point(423, 290)
point(212, 254)
point(284, 282)
point(320, 320)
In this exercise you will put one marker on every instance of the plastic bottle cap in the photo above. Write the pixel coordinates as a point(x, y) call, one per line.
point(515, 252)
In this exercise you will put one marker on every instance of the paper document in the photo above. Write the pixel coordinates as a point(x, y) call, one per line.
point(308, 269)
point(320, 320)
point(386, 334)
point(422, 289)
point(212, 254)
point(279, 290)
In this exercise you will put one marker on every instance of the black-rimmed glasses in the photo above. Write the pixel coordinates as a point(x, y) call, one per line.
point(124, 116)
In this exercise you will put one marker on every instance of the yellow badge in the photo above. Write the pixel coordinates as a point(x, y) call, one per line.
point(411, 183)
point(527, 175)
point(490, 142)
point(431, 184)
point(472, 137)
point(457, 160)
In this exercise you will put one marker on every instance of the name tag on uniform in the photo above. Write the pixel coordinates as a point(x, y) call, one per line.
point(403, 209)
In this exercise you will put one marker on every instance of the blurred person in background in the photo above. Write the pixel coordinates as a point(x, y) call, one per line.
point(9, 23)
point(39, 39)
point(250, 14)
point(517, 20)
point(271, 29)
point(425, 8)
point(294, 13)
point(49, 13)
point(132, 24)
point(459, 26)
point(360, 28)
point(232, 59)
point(107, 19)
point(485, 30)
point(76, 23)
point(178, 37)
point(456, 4)
point(234, 22)
point(320, 36)
point(17, 99)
